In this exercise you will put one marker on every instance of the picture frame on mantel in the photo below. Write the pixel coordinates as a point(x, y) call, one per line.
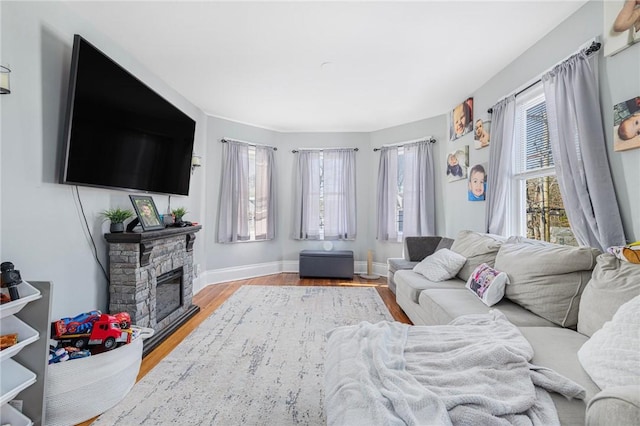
point(147, 212)
point(617, 41)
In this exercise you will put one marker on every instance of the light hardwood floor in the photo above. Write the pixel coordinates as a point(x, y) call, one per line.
point(211, 297)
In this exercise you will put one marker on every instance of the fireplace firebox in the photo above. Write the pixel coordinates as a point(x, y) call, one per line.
point(168, 293)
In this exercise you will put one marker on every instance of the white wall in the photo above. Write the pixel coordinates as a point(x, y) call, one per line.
point(43, 230)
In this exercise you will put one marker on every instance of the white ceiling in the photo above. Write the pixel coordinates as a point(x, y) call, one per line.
point(260, 62)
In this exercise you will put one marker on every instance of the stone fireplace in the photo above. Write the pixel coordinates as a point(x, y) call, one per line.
point(151, 278)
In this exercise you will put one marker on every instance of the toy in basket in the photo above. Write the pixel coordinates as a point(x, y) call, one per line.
point(102, 380)
point(93, 329)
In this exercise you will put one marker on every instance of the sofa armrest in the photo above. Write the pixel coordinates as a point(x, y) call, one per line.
point(618, 405)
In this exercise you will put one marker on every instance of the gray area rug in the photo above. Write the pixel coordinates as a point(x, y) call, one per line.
point(257, 360)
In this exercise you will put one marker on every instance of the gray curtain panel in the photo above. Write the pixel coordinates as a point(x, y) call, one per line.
point(339, 194)
point(580, 153)
point(500, 169)
point(306, 203)
point(419, 190)
point(233, 211)
point(387, 196)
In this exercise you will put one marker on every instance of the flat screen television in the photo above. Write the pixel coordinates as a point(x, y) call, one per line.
point(120, 133)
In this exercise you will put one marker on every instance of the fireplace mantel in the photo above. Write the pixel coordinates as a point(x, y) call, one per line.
point(146, 239)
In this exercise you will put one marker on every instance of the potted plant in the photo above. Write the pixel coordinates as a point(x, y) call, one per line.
point(178, 213)
point(117, 217)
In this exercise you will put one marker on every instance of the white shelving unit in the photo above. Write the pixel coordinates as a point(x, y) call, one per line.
point(24, 365)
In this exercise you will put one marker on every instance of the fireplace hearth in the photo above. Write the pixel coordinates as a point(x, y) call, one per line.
point(151, 278)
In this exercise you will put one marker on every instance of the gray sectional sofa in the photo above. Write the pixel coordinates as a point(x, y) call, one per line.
point(554, 295)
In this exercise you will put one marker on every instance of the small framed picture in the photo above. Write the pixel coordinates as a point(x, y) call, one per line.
point(457, 164)
point(481, 135)
point(147, 212)
point(626, 125)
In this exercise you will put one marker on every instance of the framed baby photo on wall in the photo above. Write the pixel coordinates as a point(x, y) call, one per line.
point(457, 164)
point(461, 120)
point(626, 125)
point(621, 25)
point(477, 183)
point(481, 133)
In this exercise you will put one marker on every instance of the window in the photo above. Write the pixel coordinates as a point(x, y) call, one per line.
point(247, 204)
point(406, 191)
point(325, 204)
point(539, 210)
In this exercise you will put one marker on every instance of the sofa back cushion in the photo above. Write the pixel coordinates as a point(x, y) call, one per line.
point(477, 248)
point(613, 283)
point(417, 248)
point(547, 279)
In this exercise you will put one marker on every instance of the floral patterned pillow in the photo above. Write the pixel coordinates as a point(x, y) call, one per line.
point(488, 284)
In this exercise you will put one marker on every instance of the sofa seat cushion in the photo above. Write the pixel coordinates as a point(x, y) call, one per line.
point(557, 348)
point(613, 282)
point(444, 305)
point(477, 248)
point(547, 279)
point(411, 283)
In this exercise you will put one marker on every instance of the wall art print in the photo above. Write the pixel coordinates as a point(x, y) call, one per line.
point(626, 125)
point(457, 164)
point(481, 133)
point(461, 119)
point(621, 25)
point(477, 189)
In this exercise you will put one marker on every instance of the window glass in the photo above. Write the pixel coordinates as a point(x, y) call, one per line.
point(540, 212)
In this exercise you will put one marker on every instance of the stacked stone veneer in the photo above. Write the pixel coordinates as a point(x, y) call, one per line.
point(133, 285)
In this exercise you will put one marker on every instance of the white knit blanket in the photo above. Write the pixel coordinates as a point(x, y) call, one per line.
point(473, 371)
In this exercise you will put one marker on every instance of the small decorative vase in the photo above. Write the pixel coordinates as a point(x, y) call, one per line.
point(116, 227)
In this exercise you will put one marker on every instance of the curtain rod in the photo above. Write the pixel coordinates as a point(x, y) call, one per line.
point(225, 140)
point(320, 149)
point(595, 46)
point(429, 139)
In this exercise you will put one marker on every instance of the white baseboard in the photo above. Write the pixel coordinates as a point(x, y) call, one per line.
point(235, 273)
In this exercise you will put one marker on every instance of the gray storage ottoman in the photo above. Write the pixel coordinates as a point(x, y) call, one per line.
point(326, 264)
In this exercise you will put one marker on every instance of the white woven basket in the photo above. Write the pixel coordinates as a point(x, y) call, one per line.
point(83, 388)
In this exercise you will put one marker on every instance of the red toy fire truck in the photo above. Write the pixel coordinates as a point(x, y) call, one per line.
point(97, 329)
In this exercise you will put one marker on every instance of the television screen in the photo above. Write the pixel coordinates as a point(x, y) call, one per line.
point(121, 134)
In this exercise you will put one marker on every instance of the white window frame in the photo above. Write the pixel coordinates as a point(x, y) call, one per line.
point(518, 223)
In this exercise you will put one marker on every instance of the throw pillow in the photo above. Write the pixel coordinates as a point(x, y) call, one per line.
point(612, 355)
point(488, 284)
point(442, 265)
point(613, 283)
